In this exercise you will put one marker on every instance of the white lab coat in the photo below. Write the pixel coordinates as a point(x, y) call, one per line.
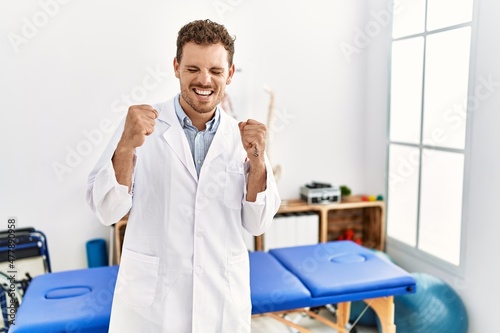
point(184, 265)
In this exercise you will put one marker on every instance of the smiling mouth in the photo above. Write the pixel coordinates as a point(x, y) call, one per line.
point(203, 92)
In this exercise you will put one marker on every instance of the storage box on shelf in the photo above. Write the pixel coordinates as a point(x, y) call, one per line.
point(361, 221)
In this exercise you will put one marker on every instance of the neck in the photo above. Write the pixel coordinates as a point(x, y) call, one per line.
point(198, 119)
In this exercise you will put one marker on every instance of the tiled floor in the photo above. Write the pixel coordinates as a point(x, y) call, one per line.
point(268, 325)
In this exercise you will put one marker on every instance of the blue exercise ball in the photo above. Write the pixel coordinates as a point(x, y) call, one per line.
point(434, 308)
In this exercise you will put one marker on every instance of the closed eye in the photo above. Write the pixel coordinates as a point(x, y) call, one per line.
point(217, 71)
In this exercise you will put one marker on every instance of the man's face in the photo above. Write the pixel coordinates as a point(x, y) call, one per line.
point(203, 74)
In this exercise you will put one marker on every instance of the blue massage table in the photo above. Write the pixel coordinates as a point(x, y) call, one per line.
point(282, 280)
point(71, 301)
point(298, 278)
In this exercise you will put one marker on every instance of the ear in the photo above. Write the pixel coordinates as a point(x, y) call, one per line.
point(176, 67)
point(232, 69)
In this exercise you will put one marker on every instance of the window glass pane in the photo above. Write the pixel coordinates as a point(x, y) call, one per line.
point(446, 83)
point(403, 193)
point(406, 90)
point(444, 13)
point(409, 18)
point(441, 204)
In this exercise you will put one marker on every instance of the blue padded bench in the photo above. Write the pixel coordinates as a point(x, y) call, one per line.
point(282, 280)
point(71, 301)
point(328, 273)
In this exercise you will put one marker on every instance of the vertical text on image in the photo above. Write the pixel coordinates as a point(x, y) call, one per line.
point(12, 272)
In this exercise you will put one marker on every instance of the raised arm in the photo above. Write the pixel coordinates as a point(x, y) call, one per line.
point(139, 124)
point(253, 138)
point(110, 182)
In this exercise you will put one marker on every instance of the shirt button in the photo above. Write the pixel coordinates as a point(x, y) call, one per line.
point(199, 161)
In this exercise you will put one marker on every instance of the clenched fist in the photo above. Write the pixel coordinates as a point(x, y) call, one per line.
point(140, 122)
point(253, 138)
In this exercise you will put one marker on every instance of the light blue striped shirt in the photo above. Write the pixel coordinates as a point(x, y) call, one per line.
point(199, 141)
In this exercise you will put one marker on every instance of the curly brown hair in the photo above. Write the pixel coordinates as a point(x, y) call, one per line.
point(205, 32)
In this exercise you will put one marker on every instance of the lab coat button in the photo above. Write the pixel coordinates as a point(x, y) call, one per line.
point(199, 269)
point(199, 234)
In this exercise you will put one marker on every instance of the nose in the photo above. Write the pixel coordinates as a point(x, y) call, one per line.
point(204, 78)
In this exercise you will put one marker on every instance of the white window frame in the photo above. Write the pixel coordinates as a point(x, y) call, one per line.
point(395, 244)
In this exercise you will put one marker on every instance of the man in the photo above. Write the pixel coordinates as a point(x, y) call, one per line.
point(191, 177)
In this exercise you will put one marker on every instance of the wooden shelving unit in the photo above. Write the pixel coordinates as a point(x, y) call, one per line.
point(365, 218)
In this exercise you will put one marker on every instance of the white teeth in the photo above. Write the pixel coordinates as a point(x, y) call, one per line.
point(203, 92)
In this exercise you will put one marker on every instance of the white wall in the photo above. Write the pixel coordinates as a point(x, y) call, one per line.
point(69, 69)
point(294, 49)
point(379, 15)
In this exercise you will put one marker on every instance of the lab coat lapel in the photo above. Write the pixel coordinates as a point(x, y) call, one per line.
point(176, 138)
point(221, 140)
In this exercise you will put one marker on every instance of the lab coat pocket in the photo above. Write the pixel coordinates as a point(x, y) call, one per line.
point(137, 278)
point(239, 280)
point(234, 186)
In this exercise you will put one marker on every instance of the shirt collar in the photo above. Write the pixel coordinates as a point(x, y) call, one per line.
point(211, 125)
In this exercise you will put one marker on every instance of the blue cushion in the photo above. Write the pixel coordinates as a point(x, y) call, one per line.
point(273, 287)
point(70, 301)
point(343, 270)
